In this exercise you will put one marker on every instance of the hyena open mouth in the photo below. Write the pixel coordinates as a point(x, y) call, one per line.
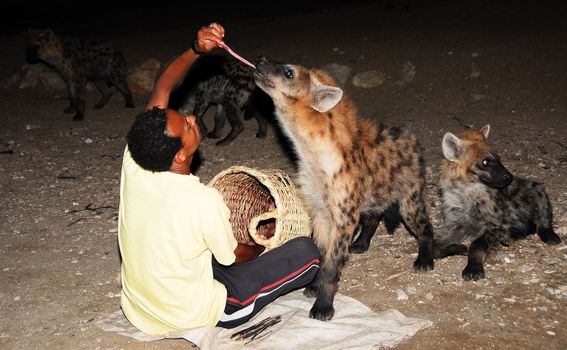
point(261, 74)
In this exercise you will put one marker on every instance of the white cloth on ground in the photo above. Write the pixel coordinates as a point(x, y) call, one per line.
point(354, 326)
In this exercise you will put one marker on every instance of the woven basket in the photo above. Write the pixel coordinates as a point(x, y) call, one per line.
point(259, 200)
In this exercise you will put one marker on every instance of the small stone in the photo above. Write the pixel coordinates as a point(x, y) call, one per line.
point(369, 79)
point(550, 332)
point(88, 141)
point(401, 294)
point(338, 71)
point(110, 295)
point(526, 268)
point(475, 71)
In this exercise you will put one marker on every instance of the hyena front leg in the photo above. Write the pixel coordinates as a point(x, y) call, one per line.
point(479, 249)
point(544, 219)
point(77, 98)
point(414, 214)
point(321, 234)
point(327, 280)
point(334, 259)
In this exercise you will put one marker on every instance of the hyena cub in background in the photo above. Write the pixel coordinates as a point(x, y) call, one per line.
point(484, 203)
point(348, 169)
point(231, 89)
point(80, 61)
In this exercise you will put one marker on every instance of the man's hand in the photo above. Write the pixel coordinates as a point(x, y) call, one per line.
point(246, 253)
point(210, 37)
point(207, 39)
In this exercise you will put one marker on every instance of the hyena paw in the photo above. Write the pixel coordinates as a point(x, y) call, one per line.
point(547, 236)
point(358, 248)
point(214, 135)
point(423, 264)
point(224, 142)
point(322, 311)
point(78, 117)
point(473, 272)
point(310, 291)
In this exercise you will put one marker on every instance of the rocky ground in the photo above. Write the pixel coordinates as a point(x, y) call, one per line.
point(437, 68)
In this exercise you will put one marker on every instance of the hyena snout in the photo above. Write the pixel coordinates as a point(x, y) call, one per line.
point(496, 176)
point(265, 68)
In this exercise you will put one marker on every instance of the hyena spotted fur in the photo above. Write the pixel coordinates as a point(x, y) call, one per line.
point(231, 90)
point(78, 61)
point(484, 203)
point(348, 169)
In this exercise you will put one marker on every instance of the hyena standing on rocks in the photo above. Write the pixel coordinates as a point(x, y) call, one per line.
point(348, 169)
point(484, 203)
point(80, 61)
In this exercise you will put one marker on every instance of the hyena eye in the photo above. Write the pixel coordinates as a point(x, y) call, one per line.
point(288, 73)
point(485, 162)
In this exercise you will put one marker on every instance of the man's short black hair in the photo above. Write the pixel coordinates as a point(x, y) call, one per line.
point(149, 143)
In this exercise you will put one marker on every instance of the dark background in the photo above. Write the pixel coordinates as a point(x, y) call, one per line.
point(107, 19)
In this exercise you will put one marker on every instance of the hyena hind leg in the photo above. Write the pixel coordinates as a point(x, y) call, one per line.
point(548, 236)
point(236, 124)
point(544, 220)
point(219, 122)
point(119, 81)
point(105, 93)
point(368, 225)
point(414, 215)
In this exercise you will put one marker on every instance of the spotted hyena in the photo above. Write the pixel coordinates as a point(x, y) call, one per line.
point(348, 169)
point(484, 203)
point(231, 89)
point(77, 62)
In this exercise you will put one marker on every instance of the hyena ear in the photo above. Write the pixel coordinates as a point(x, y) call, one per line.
point(485, 130)
point(324, 97)
point(452, 147)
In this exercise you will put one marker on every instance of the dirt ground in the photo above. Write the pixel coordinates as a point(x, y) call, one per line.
point(479, 63)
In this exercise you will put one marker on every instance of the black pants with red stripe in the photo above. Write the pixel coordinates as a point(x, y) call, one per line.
point(255, 284)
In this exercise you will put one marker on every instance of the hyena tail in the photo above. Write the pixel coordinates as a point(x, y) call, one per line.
point(392, 218)
point(442, 251)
